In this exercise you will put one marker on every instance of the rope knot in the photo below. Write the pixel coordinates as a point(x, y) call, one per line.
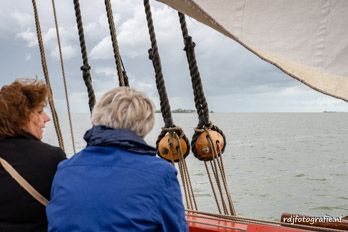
point(208, 126)
point(85, 68)
point(176, 129)
point(151, 53)
point(202, 126)
point(189, 44)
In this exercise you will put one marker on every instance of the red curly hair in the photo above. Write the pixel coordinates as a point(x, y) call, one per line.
point(17, 101)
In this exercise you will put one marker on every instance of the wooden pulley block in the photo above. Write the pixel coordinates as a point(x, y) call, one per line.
point(168, 153)
point(203, 147)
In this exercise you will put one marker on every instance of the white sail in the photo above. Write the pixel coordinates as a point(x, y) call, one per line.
point(307, 39)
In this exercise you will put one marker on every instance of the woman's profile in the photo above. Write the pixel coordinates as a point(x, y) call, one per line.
point(22, 121)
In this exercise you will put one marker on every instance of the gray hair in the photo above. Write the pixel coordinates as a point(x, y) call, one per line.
point(124, 107)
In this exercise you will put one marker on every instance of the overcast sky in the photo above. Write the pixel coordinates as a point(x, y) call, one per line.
point(234, 80)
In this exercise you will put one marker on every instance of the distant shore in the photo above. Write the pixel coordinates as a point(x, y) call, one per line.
point(180, 110)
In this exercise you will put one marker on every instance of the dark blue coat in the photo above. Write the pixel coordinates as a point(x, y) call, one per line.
point(115, 184)
point(37, 163)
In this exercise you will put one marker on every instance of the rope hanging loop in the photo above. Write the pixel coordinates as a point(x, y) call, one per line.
point(168, 147)
point(208, 143)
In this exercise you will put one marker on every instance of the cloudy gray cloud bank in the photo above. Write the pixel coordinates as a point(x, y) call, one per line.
point(233, 78)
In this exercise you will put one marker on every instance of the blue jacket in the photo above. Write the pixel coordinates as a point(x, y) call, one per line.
point(115, 184)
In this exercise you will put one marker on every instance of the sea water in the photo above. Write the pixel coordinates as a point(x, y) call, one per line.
point(274, 162)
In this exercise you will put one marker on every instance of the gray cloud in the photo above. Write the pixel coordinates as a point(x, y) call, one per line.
point(233, 78)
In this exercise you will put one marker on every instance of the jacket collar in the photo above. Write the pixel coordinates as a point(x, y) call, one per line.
point(24, 135)
point(123, 138)
point(29, 136)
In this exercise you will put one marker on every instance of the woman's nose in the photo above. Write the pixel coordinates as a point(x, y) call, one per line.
point(46, 117)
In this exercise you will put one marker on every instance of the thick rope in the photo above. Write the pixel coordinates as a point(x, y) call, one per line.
point(63, 74)
point(204, 123)
point(156, 61)
point(45, 71)
point(175, 133)
point(85, 68)
point(122, 76)
point(200, 101)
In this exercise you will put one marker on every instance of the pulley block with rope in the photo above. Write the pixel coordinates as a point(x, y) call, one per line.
point(209, 144)
point(208, 141)
point(207, 137)
point(168, 147)
point(173, 145)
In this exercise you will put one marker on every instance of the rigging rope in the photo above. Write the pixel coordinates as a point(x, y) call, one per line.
point(212, 187)
point(85, 68)
point(170, 135)
point(184, 173)
point(45, 71)
point(207, 137)
point(223, 176)
point(200, 101)
point(199, 98)
point(154, 57)
point(122, 75)
point(63, 74)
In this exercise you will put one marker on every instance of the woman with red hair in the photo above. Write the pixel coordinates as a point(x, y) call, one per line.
point(22, 120)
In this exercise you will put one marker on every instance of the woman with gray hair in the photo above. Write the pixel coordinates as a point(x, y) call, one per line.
point(117, 183)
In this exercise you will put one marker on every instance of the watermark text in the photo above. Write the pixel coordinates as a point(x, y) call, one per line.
point(298, 219)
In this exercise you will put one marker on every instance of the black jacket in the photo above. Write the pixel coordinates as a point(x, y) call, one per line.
point(37, 163)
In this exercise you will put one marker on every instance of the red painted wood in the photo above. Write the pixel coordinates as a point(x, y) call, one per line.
point(264, 228)
point(203, 223)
